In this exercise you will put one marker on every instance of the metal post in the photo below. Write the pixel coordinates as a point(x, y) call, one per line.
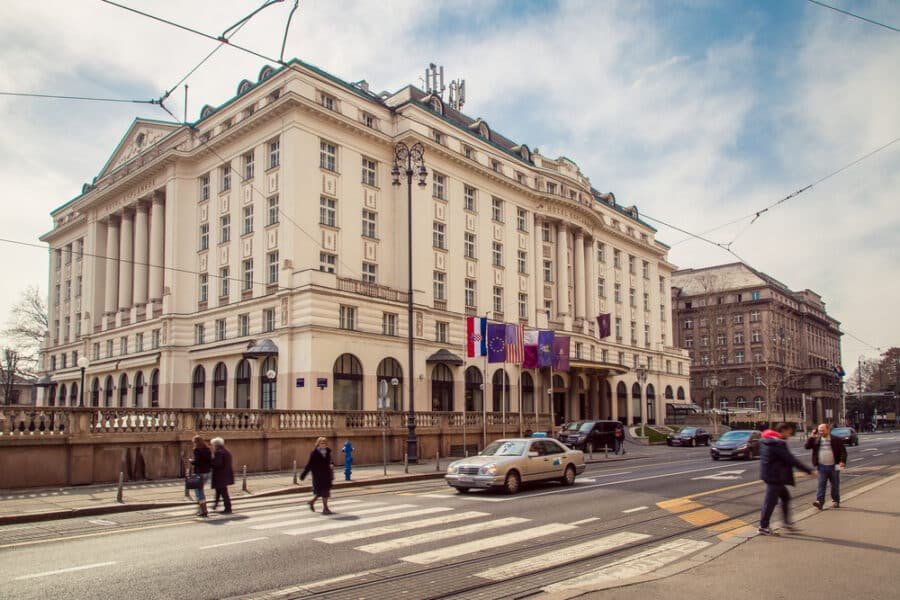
point(81, 390)
point(591, 451)
point(605, 451)
point(384, 441)
point(406, 463)
point(437, 460)
point(119, 494)
point(295, 472)
point(244, 477)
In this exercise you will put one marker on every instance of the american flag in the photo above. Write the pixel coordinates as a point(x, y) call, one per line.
point(515, 352)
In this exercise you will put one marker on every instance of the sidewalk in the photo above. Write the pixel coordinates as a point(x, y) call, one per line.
point(45, 504)
point(850, 552)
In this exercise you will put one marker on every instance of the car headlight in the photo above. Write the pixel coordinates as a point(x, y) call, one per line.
point(742, 448)
point(488, 470)
point(452, 469)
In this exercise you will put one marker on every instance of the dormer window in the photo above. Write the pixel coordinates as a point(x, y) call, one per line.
point(437, 106)
point(244, 87)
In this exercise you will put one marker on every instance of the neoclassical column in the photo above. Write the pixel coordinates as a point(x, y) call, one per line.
point(112, 265)
point(141, 239)
point(590, 287)
point(126, 261)
point(157, 247)
point(578, 251)
point(562, 269)
point(538, 269)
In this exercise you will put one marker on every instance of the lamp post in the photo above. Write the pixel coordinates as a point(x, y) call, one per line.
point(410, 161)
point(83, 363)
point(641, 373)
point(45, 382)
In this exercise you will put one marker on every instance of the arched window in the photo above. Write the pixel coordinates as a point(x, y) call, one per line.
point(741, 402)
point(651, 404)
point(527, 384)
point(73, 395)
point(558, 382)
point(669, 394)
point(636, 402)
point(500, 391)
point(108, 392)
point(123, 390)
point(268, 388)
point(61, 394)
point(622, 401)
point(242, 384)
point(154, 388)
point(680, 394)
point(95, 392)
point(474, 391)
point(723, 403)
point(389, 370)
point(220, 386)
point(441, 389)
point(139, 389)
point(51, 395)
point(348, 375)
point(198, 387)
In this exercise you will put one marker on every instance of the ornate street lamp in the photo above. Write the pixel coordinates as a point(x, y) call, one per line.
point(410, 161)
point(83, 363)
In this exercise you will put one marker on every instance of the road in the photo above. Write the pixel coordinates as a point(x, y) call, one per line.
point(421, 540)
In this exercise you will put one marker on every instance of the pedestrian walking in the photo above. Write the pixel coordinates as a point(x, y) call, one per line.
point(322, 469)
point(620, 439)
point(202, 463)
point(829, 456)
point(776, 468)
point(222, 474)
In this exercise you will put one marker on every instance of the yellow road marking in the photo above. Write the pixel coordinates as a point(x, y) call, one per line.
point(698, 515)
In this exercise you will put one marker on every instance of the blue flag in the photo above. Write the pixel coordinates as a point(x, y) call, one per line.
point(496, 342)
point(545, 349)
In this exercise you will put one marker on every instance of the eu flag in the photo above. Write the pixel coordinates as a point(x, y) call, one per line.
point(496, 342)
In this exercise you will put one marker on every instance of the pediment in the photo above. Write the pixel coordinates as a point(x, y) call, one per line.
point(140, 137)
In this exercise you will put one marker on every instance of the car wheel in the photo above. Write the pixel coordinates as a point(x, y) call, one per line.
point(668, 442)
point(512, 483)
point(569, 477)
point(462, 490)
point(715, 457)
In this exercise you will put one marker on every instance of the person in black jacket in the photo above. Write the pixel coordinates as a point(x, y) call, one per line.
point(222, 473)
point(202, 463)
point(321, 467)
point(829, 456)
point(776, 468)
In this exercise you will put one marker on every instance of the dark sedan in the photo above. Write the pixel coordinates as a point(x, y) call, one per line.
point(689, 436)
point(740, 443)
point(847, 435)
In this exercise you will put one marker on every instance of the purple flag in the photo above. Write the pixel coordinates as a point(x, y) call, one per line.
point(496, 342)
point(561, 353)
point(545, 349)
point(531, 350)
point(603, 325)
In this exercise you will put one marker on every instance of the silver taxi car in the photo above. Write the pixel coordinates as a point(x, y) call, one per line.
point(507, 463)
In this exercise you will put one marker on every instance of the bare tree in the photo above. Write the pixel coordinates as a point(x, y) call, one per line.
point(778, 369)
point(27, 327)
point(9, 373)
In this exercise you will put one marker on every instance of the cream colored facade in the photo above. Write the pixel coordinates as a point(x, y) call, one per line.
point(297, 168)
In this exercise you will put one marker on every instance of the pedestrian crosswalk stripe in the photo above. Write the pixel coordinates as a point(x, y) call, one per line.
point(339, 523)
point(298, 519)
point(424, 538)
point(632, 566)
point(433, 556)
point(302, 510)
point(398, 527)
point(578, 551)
point(174, 512)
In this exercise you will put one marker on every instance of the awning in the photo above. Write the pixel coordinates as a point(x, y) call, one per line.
point(261, 349)
point(590, 365)
point(445, 357)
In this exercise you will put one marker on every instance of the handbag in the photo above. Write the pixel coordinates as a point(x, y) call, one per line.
point(193, 482)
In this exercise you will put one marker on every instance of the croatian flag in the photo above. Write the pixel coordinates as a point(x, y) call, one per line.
point(476, 336)
point(514, 342)
point(545, 348)
point(496, 342)
point(531, 349)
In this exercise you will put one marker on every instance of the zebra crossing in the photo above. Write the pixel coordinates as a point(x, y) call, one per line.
point(426, 535)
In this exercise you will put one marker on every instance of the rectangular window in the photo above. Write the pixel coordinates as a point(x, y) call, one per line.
point(704, 340)
point(523, 306)
point(632, 301)
point(243, 325)
point(739, 358)
point(78, 285)
point(439, 186)
point(618, 329)
point(348, 317)
point(440, 285)
point(155, 338)
point(633, 332)
point(498, 299)
point(369, 169)
point(272, 259)
point(225, 173)
point(617, 258)
point(469, 245)
point(601, 252)
point(247, 268)
point(369, 120)
point(688, 323)
point(647, 336)
point(328, 211)
point(601, 287)
point(204, 287)
point(470, 293)
point(468, 152)
point(662, 312)
point(645, 269)
point(68, 290)
point(755, 337)
point(249, 166)
point(754, 316)
point(273, 210)
point(689, 342)
point(204, 236)
point(646, 302)
point(617, 293)
point(497, 254)
point(77, 326)
point(522, 261)
point(551, 187)
point(438, 235)
point(274, 153)
point(631, 264)
point(548, 271)
point(220, 330)
point(327, 156)
point(442, 331)
point(204, 187)
point(546, 232)
point(754, 295)
point(269, 320)
point(496, 166)
point(662, 286)
point(369, 220)
point(389, 324)
point(224, 282)
point(199, 333)
point(497, 209)
point(739, 337)
point(139, 342)
point(520, 177)
point(579, 349)
point(469, 194)
point(738, 319)
point(225, 228)
point(438, 136)
point(369, 272)
point(327, 262)
point(327, 101)
point(123, 345)
point(248, 220)
point(521, 219)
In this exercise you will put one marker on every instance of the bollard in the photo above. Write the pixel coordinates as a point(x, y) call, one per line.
point(119, 498)
point(295, 472)
point(605, 451)
point(437, 460)
point(348, 460)
point(405, 463)
point(244, 477)
point(591, 451)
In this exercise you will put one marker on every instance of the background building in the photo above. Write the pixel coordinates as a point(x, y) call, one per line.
point(257, 259)
point(756, 346)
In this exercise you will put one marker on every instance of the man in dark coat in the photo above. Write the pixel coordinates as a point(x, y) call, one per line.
point(322, 469)
point(829, 456)
point(222, 473)
point(776, 468)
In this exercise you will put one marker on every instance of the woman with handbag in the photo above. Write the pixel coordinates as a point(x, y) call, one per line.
point(222, 473)
point(320, 465)
point(202, 463)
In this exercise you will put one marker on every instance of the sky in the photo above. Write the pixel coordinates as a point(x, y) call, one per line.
point(697, 112)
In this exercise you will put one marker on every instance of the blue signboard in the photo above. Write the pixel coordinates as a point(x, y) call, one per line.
point(322, 382)
point(300, 382)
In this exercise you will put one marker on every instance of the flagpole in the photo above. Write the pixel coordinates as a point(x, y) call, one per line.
point(484, 387)
point(550, 399)
point(537, 400)
point(520, 392)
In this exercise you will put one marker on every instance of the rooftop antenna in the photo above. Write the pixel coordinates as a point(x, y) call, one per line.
point(458, 93)
point(434, 80)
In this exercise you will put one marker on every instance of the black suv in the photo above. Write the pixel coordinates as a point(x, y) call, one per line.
point(579, 434)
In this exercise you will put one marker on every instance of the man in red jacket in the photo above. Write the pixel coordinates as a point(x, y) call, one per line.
point(829, 456)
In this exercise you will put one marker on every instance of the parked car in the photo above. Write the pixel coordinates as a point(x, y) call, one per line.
point(689, 436)
point(739, 443)
point(847, 435)
point(506, 464)
point(600, 434)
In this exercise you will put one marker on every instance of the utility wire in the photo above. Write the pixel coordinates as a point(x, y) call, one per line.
point(863, 342)
point(286, 29)
point(855, 16)
point(89, 98)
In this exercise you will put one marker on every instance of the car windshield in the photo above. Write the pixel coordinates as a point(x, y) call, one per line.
point(840, 431)
point(586, 426)
point(735, 435)
point(688, 430)
point(502, 448)
point(575, 426)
